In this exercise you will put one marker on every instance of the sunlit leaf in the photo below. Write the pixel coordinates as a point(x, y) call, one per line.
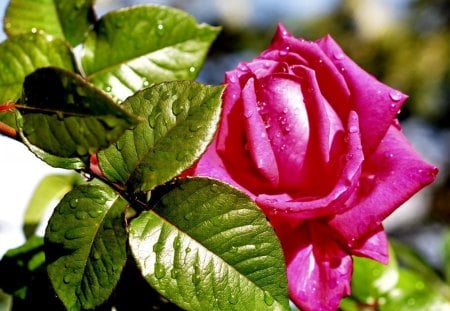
point(181, 118)
point(49, 191)
point(22, 55)
point(85, 246)
point(372, 279)
point(68, 20)
point(67, 117)
point(132, 48)
point(207, 246)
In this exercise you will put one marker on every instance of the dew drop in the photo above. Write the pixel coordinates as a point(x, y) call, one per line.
point(33, 30)
point(182, 156)
point(73, 203)
point(157, 247)
point(174, 273)
point(67, 278)
point(187, 250)
point(81, 215)
point(151, 120)
point(395, 95)
point(353, 129)
point(94, 213)
point(160, 29)
point(248, 113)
point(96, 255)
point(233, 298)
point(107, 89)
point(393, 106)
point(8, 26)
point(195, 127)
point(145, 83)
point(389, 155)
point(232, 79)
point(338, 55)
point(283, 53)
point(188, 216)
point(214, 188)
point(160, 270)
point(177, 107)
point(75, 233)
point(192, 69)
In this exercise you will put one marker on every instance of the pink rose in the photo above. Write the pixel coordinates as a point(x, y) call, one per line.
point(314, 140)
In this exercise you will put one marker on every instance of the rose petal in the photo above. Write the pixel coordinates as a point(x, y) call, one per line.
point(318, 269)
point(332, 84)
point(288, 127)
point(374, 247)
point(391, 176)
point(376, 103)
point(258, 142)
point(301, 207)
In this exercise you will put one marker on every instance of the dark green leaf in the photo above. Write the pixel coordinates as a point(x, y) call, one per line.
point(68, 20)
point(130, 49)
point(18, 267)
point(181, 121)
point(49, 191)
point(55, 161)
point(20, 56)
point(207, 246)
point(67, 117)
point(86, 246)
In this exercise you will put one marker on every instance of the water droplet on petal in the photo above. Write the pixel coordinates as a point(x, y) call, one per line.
point(353, 129)
point(338, 55)
point(388, 154)
point(395, 95)
point(248, 113)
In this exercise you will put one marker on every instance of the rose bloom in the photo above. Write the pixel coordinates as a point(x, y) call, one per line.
point(314, 140)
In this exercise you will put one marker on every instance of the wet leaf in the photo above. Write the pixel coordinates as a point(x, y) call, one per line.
point(181, 119)
point(67, 117)
point(207, 246)
point(69, 20)
point(132, 48)
point(85, 246)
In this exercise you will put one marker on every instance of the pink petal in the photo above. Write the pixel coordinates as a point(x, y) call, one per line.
point(376, 103)
point(374, 247)
point(258, 142)
point(390, 177)
point(318, 269)
point(334, 202)
point(332, 84)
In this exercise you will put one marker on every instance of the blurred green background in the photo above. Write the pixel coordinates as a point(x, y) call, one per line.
point(404, 43)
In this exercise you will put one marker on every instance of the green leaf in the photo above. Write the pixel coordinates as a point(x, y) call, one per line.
point(207, 246)
point(413, 293)
point(19, 265)
point(85, 246)
point(372, 279)
point(69, 20)
point(446, 256)
point(67, 117)
point(55, 161)
point(20, 56)
point(49, 191)
point(132, 48)
point(181, 116)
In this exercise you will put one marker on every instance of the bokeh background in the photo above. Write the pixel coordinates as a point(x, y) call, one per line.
point(404, 43)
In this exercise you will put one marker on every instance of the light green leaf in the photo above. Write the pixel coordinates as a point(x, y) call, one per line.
point(446, 256)
point(67, 117)
point(49, 191)
point(68, 20)
point(207, 246)
point(20, 56)
point(85, 246)
point(372, 279)
point(181, 117)
point(132, 48)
